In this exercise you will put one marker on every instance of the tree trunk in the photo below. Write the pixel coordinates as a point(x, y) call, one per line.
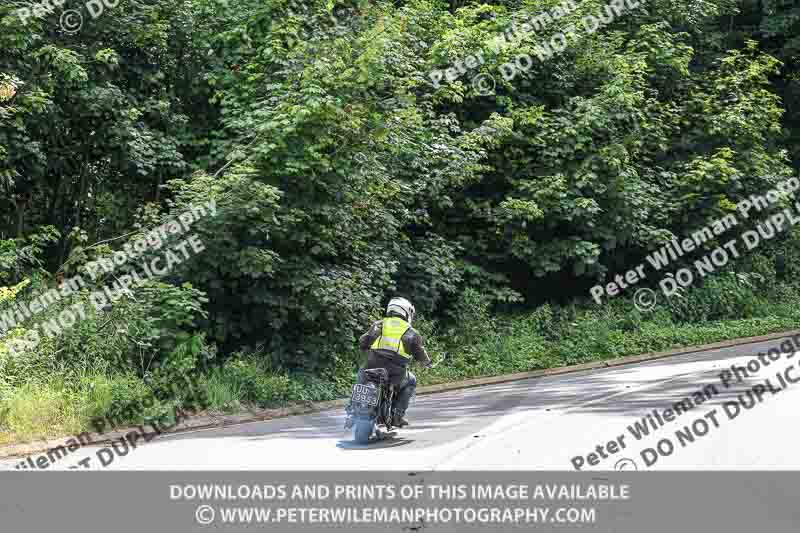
point(51, 212)
point(82, 191)
point(81, 195)
point(158, 187)
point(21, 205)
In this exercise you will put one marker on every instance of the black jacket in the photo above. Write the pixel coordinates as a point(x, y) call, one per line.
point(392, 361)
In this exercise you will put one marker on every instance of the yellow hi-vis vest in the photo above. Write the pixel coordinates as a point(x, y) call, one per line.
point(392, 331)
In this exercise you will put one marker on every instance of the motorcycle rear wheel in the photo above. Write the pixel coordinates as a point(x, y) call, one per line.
point(363, 431)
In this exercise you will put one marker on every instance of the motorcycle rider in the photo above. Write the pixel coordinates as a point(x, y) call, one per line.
point(392, 343)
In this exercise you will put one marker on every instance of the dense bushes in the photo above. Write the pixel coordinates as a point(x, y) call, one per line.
point(342, 174)
point(132, 361)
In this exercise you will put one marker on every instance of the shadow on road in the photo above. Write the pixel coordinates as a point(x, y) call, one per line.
point(383, 444)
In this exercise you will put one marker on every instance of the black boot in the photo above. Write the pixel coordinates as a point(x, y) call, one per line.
point(399, 420)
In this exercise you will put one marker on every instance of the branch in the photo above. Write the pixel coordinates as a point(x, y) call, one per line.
point(226, 165)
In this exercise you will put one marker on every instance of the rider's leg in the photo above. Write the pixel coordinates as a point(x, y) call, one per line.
point(406, 392)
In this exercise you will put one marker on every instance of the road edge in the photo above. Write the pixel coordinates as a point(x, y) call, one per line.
point(210, 421)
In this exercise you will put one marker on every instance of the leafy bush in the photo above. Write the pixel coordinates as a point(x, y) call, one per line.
point(177, 376)
point(135, 336)
point(543, 321)
point(122, 400)
point(243, 376)
point(727, 295)
point(247, 381)
point(223, 394)
point(274, 390)
point(23, 257)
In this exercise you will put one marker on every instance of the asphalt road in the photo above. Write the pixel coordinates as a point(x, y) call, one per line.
point(545, 423)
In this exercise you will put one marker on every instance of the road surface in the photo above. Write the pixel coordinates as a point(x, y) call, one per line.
point(555, 422)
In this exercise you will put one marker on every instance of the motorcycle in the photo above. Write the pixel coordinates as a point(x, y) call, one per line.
point(371, 405)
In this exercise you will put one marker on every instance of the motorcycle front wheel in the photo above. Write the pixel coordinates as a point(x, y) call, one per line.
point(363, 431)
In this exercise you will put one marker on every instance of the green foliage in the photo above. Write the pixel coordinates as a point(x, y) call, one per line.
point(24, 256)
point(40, 411)
point(136, 334)
point(252, 384)
point(342, 175)
point(176, 376)
point(121, 399)
point(171, 315)
point(726, 296)
point(223, 394)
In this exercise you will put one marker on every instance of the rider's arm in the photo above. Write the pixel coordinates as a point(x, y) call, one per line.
point(369, 337)
point(416, 347)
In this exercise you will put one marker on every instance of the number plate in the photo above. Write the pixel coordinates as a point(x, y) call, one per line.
point(364, 394)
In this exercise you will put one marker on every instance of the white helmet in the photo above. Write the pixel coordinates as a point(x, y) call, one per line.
point(402, 307)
